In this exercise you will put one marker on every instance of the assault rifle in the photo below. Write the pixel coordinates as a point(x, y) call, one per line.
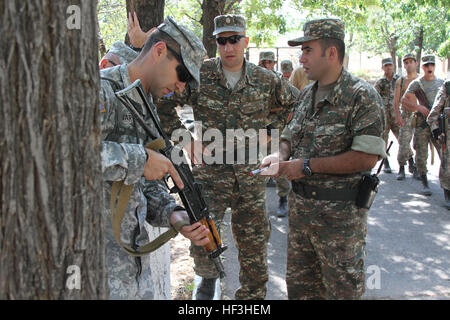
point(420, 95)
point(191, 195)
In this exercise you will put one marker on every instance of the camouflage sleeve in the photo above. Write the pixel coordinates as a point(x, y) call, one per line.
point(284, 93)
point(123, 161)
point(160, 204)
point(368, 123)
point(433, 117)
point(413, 86)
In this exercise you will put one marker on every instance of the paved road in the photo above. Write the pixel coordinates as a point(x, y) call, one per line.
point(408, 243)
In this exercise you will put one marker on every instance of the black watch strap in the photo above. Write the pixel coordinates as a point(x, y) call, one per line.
point(306, 169)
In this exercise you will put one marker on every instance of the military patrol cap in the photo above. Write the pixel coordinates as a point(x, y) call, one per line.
point(286, 66)
point(386, 61)
point(123, 52)
point(266, 55)
point(229, 22)
point(429, 58)
point(409, 56)
point(192, 50)
point(320, 28)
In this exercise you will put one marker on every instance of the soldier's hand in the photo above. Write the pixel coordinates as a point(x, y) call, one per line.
point(424, 111)
point(196, 232)
point(272, 161)
point(135, 33)
point(292, 169)
point(399, 121)
point(157, 166)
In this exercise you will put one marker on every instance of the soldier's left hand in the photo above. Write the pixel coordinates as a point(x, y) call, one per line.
point(135, 33)
point(196, 232)
point(292, 169)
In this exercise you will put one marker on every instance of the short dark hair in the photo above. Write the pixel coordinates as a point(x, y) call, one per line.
point(326, 43)
point(157, 36)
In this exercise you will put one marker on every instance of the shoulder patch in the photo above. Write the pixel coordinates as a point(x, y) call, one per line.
point(102, 106)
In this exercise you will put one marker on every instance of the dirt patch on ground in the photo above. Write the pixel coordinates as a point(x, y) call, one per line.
point(181, 269)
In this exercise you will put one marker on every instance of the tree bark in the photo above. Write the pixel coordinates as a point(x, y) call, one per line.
point(420, 46)
point(51, 222)
point(210, 9)
point(150, 13)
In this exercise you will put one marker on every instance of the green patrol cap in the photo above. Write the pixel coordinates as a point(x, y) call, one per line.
point(266, 55)
point(229, 22)
point(409, 56)
point(192, 50)
point(320, 28)
point(286, 66)
point(386, 61)
point(429, 58)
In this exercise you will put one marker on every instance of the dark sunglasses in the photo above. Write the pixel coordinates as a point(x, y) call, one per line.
point(183, 73)
point(232, 39)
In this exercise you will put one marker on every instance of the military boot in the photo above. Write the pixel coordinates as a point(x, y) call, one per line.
point(411, 165)
point(282, 207)
point(447, 199)
point(387, 167)
point(401, 173)
point(206, 289)
point(426, 189)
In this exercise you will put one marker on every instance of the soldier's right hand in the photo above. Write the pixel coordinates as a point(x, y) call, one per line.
point(424, 111)
point(157, 166)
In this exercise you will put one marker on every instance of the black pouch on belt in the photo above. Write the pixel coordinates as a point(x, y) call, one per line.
point(368, 187)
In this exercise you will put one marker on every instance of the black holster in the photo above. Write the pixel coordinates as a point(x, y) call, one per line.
point(367, 191)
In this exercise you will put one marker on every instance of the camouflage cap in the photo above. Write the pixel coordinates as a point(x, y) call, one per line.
point(229, 22)
point(320, 28)
point(266, 55)
point(123, 52)
point(286, 66)
point(386, 61)
point(409, 56)
point(429, 58)
point(192, 50)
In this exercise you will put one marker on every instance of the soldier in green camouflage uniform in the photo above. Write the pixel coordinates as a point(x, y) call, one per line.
point(335, 135)
point(385, 87)
point(430, 84)
point(118, 54)
point(234, 94)
point(124, 157)
point(403, 119)
point(441, 106)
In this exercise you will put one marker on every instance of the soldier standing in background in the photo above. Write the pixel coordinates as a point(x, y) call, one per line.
point(425, 87)
point(385, 87)
point(286, 68)
point(233, 94)
point(403, 119)
point(336, 134)
point(438, 121)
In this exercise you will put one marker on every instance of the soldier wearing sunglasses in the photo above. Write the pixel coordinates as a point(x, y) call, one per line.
point(233, 94)
point(170, 58)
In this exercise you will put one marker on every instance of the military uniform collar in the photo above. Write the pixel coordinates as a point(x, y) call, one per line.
point(333, 96)
point(220, 76)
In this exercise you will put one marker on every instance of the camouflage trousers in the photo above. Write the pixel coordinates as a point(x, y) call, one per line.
point(404, 140)
point(422, 138)
point(444, 169)
point(390, 126)
point(284, 187)
point(326, 249)
point(227, 186)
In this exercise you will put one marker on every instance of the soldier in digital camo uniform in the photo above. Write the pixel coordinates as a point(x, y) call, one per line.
point(124, 157)
point(336, 134)
point(234, 94)
point(385, 87)
point(442, 133)
point(429, 84)
point(403, 118)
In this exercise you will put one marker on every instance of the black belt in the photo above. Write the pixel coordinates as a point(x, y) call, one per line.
point(310, 192)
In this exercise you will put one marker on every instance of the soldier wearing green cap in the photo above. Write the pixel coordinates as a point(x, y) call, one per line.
point(403, 119)
point(385, 87)
point(419, 98)
point(335, 135)
point(234, 94)
point(171, 57)
point(286, 68)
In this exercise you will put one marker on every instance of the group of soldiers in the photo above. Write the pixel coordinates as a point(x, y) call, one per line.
point(333, 131)
point(408, 101)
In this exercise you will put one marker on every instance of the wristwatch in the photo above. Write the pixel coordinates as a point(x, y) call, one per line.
point(306, 169)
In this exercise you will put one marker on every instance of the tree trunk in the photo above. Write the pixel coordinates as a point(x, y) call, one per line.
point(150, 13)
point(51, 223)
point(399, 65)
point(420, 46)
point(210, 9)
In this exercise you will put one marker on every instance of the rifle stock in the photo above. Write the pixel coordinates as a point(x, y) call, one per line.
point(191, 196)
